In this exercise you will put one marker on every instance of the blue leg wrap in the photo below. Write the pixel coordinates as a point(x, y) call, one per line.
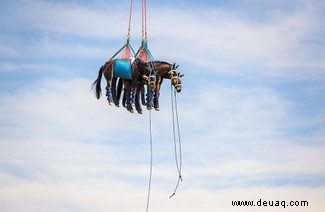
point(143, 99)
point(137, 104)
point(106, 94)
point(132, 98)
point(149, 99)
point(109, 94)
point(128, 103)
point(124, 99)
point(114, 96)
point(156, 99)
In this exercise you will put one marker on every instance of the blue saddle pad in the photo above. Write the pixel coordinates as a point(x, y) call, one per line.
point(123, 69)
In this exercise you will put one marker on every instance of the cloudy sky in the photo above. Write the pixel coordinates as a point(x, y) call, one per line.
point(252, 108)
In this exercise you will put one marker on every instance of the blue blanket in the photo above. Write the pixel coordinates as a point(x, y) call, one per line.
point(123, 69)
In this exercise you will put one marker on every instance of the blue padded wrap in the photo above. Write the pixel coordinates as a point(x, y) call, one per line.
point(149, 99)
point(143, 99)
point(156, 99)
point(109, 94)
point(132, 100)
point(114, 95)
point(123, 69)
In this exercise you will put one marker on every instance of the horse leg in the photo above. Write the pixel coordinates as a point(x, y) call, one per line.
point(137, 99)
point(109, 94)
point(132, 96)
point(143, 99)
point(124, 98)
point(116, 102)
point(156, 100)
point(127, 86)
point(109, 77)
point(119, 90)
point(149, 98)
point(157, 94)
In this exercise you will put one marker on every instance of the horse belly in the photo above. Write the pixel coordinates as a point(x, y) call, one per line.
point(123, 69)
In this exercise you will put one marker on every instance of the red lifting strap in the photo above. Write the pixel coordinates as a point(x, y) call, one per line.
point(144, 20)
point(130, 19)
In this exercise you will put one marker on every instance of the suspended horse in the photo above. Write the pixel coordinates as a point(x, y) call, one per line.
point(166, 70)
point(163, 70)
point(132, 72)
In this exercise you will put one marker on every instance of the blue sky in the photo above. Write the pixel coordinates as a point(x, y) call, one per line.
point(252, 108)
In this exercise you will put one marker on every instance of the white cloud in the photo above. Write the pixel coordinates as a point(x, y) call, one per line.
point(105, 196)
point(226, 42)
point(212, 39)
point(71, 148)
point(73, 152)
point(73, 19)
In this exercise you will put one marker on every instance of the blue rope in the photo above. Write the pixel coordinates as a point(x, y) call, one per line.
point(151, 153)
point(178, 157)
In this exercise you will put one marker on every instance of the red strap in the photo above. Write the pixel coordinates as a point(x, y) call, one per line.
point(130, 19)
point(144, 20)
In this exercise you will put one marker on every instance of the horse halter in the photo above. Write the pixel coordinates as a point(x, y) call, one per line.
point(152, 82)
point(175, 79)
point(178, 84)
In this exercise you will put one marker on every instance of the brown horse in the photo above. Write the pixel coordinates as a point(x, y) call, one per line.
point(166, 70)
point(163, 70)
point(139, 72)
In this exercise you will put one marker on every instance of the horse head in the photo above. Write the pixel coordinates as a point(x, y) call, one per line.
point(152, 82)
point(176, 78)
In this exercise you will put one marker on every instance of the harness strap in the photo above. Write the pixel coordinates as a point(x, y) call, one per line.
point(110, 62)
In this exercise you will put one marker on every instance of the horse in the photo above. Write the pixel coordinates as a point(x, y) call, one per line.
point(166, 70)
point(139, 71)
point(163, 70)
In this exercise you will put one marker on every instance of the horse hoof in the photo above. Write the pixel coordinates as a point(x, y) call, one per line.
point(110, 103)
point(133, 104)
point(117, 105)
point(139, 111)
point(130, 109)
point(157, 108)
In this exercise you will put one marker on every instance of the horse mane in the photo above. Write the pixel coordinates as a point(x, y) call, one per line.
point(162, 62)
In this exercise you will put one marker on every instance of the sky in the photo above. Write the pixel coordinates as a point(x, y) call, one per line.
point(251, 111)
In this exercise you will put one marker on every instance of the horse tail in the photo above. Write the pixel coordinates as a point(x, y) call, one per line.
point(119, 89)
point(98, 90)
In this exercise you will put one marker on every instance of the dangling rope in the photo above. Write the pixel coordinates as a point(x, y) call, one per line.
point(151, 153)
point(177, 145)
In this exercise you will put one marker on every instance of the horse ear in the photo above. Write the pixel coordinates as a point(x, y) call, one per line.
point(174, 65)
point(177, 66)
point(181, 75)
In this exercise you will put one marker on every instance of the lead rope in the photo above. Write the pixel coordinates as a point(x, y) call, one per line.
point(177, 145)
point(150, 172)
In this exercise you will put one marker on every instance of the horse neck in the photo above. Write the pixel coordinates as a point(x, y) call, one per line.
point(141, 68)
point(162, 68)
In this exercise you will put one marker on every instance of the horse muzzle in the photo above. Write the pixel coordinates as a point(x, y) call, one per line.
point(178, 88)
